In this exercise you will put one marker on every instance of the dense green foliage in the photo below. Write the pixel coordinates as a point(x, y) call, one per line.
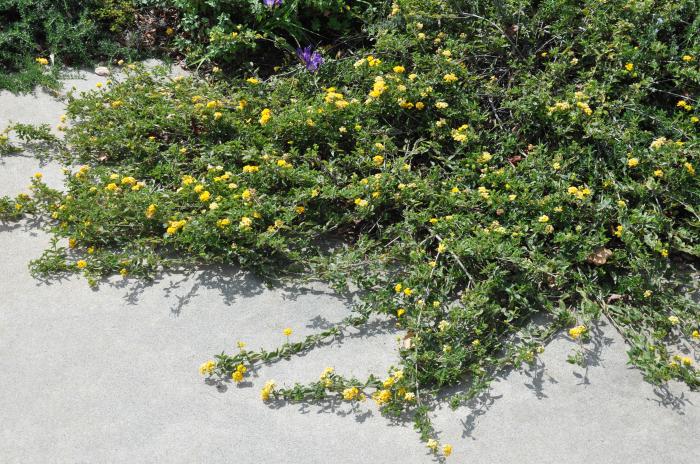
point(470, 166)
point(73, 32)
point(228, 34)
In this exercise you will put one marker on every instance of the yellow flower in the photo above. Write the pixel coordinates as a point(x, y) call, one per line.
point(485, 157)
point(174, 226)
point(349, 394)
point(407, 291)
point(696, 334)
point(658, 173)
point(42, 61)
point(399, 69)
point(576, 332)
point(245, 223)
point(632, 162)
point(222, 223)
point(629, 67)
point(151, 211)
point(248, 168)
point(378, 160)
point(544, 218)
point(217, 115)
point(81, 264)
point(204, 196)
point(400, 312)
point(447, 450)
point(300, 209)
point(253, 81)
point(287, 331)
point(382, 396)
point(265, 116)
point(409, 396)
point(441, 248)
point(432, 444)
point(687, 58)
point(112, 187)
point(123, 272)
point(664, 252)
point(441, 105)
point(237, 376)
point(658, 143)
point(689, 167)
point(451, 77)
point(207, 368)
point(686, 361)
point(673, 320)
point(648, 293)
point(398, 288)
point(267, 390)
point(360, 202)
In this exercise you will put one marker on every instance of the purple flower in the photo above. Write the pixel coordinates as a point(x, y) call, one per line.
point(272, 3)
point(311, 59)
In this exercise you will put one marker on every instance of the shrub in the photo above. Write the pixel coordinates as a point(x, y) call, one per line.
point(483, 165)
point(70, 32)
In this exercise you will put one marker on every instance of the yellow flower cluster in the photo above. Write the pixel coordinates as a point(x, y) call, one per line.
point(361, 202)
point(576, 332)
point(327, 377)
point(583, 106)
point(378, 88)
point(484, 192)
point(382, 396)
point(658, 143)
point(336, 98)
point(42, 61)
point(579, 192)
point(207, 368)
point(485, 157)
point(460, 134)
point(239, 373)
point(249, 168)
point(265, 116)
point(267, 390)
point(350, 394)
point(558, 107)
point(151, 211)
point(684, 105)
point(245, 223)
point(449, 78)
point(175, 226)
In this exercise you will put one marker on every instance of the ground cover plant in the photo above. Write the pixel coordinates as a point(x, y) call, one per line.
point(37, 38)
point(485, 173)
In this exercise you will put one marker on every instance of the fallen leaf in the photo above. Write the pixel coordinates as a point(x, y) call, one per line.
point(599, 256)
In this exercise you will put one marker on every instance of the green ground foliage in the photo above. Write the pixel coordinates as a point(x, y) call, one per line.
point(486, 173)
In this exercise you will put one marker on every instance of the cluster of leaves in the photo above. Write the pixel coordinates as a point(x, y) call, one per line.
point(487, 173)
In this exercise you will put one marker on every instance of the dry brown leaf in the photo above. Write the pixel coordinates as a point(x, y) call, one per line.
point(599, 256)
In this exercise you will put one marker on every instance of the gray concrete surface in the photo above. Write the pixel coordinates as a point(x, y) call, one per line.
point(110, 375)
